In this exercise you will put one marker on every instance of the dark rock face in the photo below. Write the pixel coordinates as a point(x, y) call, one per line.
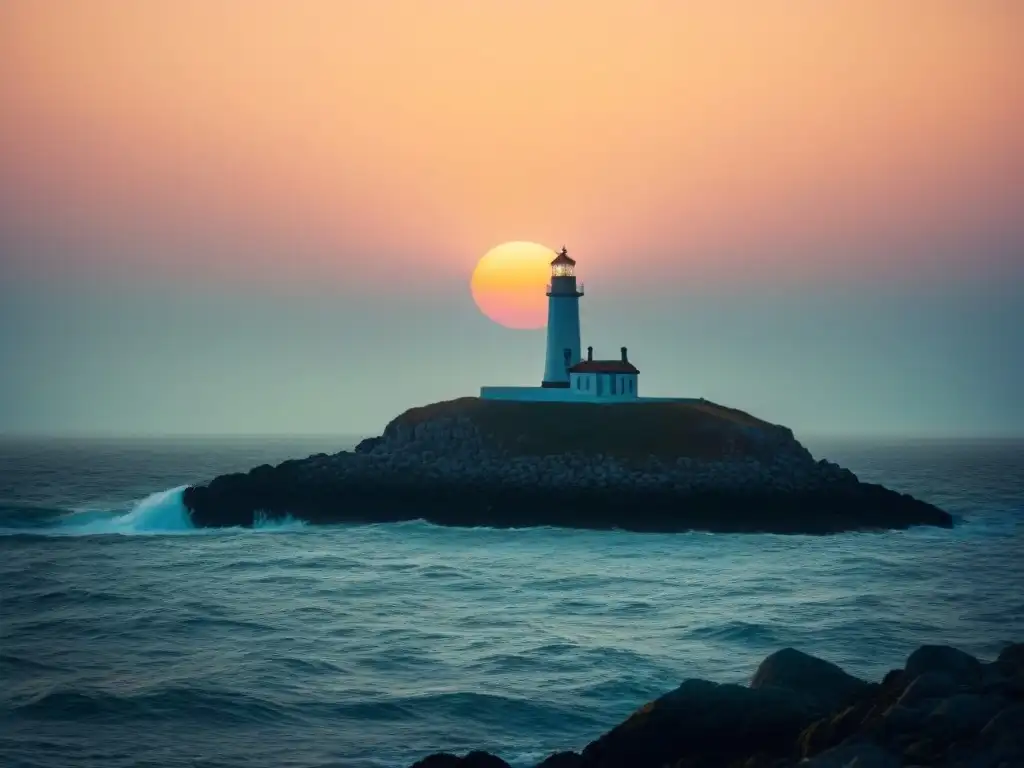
point(367, 445)
point(933, 684)
point(718, 722)
point(239, 500)
point(1012, 657)
point(935, 712)
point(824, 684)
point(960, 666)
point(562, 760)
point(471, 760)
point(865, 755)
point(449, 471)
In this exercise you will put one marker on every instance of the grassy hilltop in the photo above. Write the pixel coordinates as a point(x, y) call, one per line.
point(698, 429)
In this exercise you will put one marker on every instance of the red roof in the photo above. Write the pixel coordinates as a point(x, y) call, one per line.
point(603, 366)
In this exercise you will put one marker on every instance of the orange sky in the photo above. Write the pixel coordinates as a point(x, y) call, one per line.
point(294, 137)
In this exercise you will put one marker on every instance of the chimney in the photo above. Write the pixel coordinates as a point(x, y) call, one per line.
point(624, 358)
point(590, 354)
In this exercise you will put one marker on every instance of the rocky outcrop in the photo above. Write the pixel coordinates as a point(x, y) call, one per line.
point(651, 467)
point(471, 760)
point(944, 708)
point(824, 685)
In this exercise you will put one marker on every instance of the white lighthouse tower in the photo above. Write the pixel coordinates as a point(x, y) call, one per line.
point(563, 322)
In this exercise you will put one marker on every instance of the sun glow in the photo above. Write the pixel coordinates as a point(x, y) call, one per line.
point(509, 282)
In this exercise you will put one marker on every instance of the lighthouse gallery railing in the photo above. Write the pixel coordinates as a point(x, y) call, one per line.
point(579, 289)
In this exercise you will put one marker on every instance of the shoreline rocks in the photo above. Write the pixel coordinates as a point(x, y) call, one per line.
point(665, 468)
point(944, 708)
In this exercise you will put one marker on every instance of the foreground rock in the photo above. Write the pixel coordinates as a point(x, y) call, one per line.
point(944, 708)
point(642, 466)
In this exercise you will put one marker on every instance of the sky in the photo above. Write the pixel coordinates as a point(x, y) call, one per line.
point(248, 216)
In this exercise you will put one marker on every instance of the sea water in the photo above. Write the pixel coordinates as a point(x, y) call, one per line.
point(129, 638)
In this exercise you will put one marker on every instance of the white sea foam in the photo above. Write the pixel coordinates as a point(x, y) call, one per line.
point(162, 512)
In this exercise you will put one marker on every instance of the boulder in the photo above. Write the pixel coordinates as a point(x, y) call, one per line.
point(964, 714)
point(367, 445)
point(475, 759)
point(704, 720)
point(1004, 733)
point(960, 666)
point(899, 720)
point(930, 685)
point(854, 755)
point(924, 751)
point(824, 683)
point(1011, 660)
point(562, 760)
point(834, 729)
point(948, 715)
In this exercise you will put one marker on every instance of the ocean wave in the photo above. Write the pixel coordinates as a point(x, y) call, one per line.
point(159, 513)
point(228, 707)
point(9, 664)
point(189, 703)
point(18, 518)
point(504, 711)
point(742, 632)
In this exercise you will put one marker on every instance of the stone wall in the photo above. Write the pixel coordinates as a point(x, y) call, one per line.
point(453, 449)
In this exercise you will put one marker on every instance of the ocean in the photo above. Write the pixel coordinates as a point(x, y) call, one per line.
point(127, 638)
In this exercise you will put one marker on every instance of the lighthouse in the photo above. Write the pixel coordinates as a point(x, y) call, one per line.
point(563, 350)
point(568, 378)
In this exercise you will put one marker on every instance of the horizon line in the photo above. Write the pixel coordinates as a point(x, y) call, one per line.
point(94, 435)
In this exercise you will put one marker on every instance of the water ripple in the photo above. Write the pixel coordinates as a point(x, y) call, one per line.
point(364, 646)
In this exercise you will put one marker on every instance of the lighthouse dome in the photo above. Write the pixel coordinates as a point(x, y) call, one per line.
point(563, 258)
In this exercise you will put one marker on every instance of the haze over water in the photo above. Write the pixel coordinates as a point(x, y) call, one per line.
point(263, 217)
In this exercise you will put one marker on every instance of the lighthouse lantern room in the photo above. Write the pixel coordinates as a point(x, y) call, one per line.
point(563, 266)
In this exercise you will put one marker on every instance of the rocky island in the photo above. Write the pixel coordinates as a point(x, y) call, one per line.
point(642, 466)
point(944, 707)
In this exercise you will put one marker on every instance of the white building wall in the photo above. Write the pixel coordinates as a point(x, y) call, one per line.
point(604, 386)
point(583, 383)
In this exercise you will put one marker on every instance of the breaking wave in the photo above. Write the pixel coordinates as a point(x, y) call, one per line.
point(160, 513)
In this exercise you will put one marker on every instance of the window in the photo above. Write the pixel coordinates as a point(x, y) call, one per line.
point(562, 270)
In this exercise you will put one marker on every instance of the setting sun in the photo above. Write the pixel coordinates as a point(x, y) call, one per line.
point(509, 282)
